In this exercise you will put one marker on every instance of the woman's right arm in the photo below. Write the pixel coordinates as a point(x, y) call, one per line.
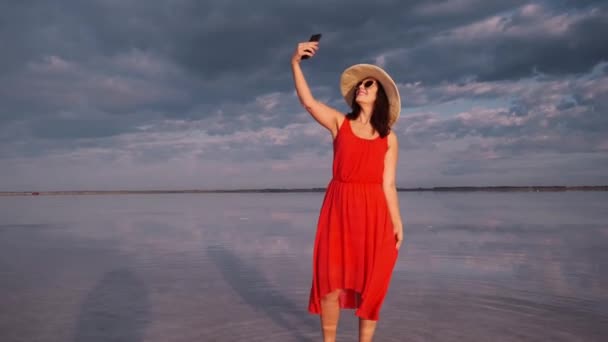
point(327, 116)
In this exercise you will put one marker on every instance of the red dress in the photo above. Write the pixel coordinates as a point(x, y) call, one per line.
point(354, 244)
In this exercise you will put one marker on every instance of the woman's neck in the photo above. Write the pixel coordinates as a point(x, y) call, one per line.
point(365, 114)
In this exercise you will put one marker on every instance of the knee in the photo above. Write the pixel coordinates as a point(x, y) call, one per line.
point(332, 296)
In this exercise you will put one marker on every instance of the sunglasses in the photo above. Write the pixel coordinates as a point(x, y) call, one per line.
point(366, 84)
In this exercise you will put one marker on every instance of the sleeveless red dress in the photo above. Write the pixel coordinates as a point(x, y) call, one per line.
point(354, 244)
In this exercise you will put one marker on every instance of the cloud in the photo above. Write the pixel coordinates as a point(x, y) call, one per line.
point(557, 114)
point(533, 38)
point(133, 88)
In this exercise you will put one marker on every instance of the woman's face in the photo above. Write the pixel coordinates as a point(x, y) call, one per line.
point(366, 90)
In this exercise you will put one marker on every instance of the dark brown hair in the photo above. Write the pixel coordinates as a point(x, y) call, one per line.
point(380, 116)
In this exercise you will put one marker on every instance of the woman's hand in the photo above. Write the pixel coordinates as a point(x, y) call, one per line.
point(398, 231)
point(304, 49)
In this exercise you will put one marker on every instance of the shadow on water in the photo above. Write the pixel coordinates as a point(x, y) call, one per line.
point(257, 292)
point(116, 309)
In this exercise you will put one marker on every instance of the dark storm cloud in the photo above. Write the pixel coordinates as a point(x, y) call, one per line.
point(535, 38)
point(217, 51)
point(135, 76)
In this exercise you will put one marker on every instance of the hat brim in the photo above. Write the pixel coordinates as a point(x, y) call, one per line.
point(352, 75)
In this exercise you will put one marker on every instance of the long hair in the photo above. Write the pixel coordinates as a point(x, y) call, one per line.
point(380, 116)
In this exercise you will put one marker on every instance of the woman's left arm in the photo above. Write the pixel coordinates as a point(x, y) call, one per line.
point(390, 189)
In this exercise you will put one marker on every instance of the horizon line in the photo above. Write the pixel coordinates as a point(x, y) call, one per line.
point(319, 189)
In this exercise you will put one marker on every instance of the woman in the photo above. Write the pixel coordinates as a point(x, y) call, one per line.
point(359, 230)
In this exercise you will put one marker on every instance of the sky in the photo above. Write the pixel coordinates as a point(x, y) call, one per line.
point(187, 94)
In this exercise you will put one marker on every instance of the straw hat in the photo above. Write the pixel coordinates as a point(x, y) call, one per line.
point(353, 74)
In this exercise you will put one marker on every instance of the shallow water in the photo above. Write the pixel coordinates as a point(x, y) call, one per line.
point(236, 267)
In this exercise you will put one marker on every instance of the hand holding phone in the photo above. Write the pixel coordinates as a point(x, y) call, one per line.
point(313, 38)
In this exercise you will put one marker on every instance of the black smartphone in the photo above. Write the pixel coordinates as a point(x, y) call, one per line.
point(313, 38)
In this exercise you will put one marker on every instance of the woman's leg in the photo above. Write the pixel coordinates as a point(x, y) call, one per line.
point(366, 330)
point(330, 314)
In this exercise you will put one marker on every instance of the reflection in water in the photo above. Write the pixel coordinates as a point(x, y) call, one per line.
point(257, 292)
point(474, 267)
point(115, 310)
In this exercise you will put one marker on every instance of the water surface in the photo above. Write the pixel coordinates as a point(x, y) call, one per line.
point(236, 267)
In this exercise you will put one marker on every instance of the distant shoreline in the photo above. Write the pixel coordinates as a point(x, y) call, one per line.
point(295, 190)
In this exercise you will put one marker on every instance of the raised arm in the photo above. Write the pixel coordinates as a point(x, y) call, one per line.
point(326, 116)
